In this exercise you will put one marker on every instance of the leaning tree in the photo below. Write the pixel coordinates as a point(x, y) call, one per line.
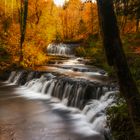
point(116, 58)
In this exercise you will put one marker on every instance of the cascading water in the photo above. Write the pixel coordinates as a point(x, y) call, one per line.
point(12, 76)
point(60, 49)
point(15, 77)
point(90, 97)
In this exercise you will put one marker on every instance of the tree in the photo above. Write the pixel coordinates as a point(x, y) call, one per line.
point(128, 14)
point(38, 12)
point(90, 17)
point(23, 20)
point(137, 17)
point(116, 58)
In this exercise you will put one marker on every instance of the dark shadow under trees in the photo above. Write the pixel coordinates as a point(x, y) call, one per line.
point(116, 58)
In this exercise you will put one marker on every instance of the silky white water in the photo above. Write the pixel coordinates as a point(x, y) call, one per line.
point(81, 102)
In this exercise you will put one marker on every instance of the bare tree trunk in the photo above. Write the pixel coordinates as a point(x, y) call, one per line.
point(116, 58)
point(23, 21)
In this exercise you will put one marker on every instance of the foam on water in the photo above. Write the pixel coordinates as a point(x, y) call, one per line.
point(66, 95)
point(60, 49)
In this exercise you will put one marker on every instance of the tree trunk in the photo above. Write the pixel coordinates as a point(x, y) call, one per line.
point(23, 21)
point(137, 18)
point(137, 25)
point(123, 25)
point(117, 59)
point(92, 16)
point(21, 51)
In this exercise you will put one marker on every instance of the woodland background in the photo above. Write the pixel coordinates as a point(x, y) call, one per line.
point(74, 22)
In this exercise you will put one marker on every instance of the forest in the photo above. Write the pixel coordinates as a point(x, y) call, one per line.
point(75, 21)
point(79, 43)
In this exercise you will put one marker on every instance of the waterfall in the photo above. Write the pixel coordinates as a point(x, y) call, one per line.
point(11, 77)
point(15, 77)
point(60, 49)
point(78, 92)
point(91, 98)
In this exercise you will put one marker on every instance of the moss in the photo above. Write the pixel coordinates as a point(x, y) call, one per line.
point(119, 121)
point(80, 51)
point(118, 117)
point(93, 49)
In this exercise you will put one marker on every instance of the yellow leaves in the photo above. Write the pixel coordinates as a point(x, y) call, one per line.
point(80, 51)
point(46, 23)
point(11, 41)
point(33, 56)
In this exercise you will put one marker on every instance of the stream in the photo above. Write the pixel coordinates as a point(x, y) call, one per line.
point(66, 100)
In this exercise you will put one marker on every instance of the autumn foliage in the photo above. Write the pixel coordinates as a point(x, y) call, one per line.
point(47, 22)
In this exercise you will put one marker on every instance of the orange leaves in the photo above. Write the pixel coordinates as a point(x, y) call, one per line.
point(33, 56)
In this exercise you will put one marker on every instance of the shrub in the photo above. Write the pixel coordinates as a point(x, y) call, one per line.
point(119, 121)
point(80, 51)
point(33, 56)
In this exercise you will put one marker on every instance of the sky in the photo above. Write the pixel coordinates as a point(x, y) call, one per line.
point(61, 2)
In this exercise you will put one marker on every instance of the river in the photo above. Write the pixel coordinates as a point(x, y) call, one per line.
point(66, 100)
